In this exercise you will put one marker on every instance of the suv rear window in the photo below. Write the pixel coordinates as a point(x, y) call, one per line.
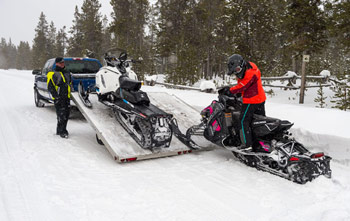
point(82, 66)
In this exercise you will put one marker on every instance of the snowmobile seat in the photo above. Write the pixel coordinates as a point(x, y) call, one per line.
point(135, 97)
point(264, 118)
point(263, 125)
point(129, 84)
point(258, 119)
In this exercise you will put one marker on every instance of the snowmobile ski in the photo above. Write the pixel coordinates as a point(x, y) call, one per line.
point(183, 138)
point(84, 95)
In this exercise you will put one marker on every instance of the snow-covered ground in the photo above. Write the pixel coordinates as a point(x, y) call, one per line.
point(44, 177)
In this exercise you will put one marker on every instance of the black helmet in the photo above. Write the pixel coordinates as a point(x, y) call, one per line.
point(236, 65)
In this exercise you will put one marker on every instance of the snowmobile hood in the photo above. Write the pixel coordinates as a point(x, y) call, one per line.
point(112, 69)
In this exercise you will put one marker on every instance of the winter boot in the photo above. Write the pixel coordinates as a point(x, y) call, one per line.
point(64, 135)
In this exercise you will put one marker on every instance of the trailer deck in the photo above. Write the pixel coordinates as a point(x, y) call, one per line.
point(120, 144)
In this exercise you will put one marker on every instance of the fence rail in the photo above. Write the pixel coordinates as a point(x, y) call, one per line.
point(152, 83)
point(290, 85)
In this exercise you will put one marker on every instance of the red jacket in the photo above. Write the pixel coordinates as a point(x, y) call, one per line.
point(250, 86)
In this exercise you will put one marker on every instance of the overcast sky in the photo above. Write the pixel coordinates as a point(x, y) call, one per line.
point(19, 18)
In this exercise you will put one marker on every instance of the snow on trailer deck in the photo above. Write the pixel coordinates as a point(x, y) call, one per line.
point(117, 140)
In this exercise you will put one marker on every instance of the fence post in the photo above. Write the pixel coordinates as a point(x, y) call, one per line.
point(306, 58)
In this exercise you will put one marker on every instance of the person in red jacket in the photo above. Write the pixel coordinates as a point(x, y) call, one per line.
point(250, 86)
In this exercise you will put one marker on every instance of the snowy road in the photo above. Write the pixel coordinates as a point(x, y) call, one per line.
point(44, 177)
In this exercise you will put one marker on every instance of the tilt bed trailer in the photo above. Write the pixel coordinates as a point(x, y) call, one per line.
point(117, 140)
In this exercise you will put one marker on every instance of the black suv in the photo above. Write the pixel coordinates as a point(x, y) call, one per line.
point(82, 69)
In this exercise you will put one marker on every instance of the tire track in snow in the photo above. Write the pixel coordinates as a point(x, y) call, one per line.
point(22, 194)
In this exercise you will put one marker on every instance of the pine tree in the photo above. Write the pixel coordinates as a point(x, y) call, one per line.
point(320, 98)
point(61, 42)
point(40, 42)
point(154, 61)
point(254, 31)
point(3, 52)
point(75, 42)
point(335, 57)
point(178, 39)
point(305, 25)
point(341, 97)
point(11, 55)
point(86, 32)
point(91, 21)
point(128, 23)
point(51, 41)
point(210, 35)
point(24, 56)
point(8, 54)
point(106, 36)
point(341, 14)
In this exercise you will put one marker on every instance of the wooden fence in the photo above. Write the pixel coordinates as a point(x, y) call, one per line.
point(324, 81)
point(290, 85)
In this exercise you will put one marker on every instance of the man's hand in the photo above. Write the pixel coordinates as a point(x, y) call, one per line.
point(56, 100)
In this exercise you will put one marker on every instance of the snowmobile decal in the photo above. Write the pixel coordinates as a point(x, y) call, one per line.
point(216, 126)
point(266, 147)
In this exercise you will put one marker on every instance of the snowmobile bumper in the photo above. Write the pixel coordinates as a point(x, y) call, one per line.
point(302, 170)
point(323, 165)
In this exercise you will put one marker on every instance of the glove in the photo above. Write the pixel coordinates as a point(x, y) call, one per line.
point(225, 91)
point(56, 101)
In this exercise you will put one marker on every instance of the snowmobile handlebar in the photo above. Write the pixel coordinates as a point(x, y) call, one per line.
point(225, 91)
point(229, 99)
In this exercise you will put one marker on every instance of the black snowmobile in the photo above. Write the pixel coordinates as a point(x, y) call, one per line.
point(274, 149)
point(118, 88)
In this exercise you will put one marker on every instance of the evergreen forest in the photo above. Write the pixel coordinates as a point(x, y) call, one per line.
point(188, 40)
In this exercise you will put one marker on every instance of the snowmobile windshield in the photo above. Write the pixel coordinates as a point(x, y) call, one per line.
point(82, 66)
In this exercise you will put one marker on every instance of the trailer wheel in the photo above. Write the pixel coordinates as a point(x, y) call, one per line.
point(99, 141)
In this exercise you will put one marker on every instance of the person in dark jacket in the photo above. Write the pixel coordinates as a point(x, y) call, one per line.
point(59, 85)
point(250, 86)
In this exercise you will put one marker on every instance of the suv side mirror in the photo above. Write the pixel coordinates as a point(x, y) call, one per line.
point(36, 72)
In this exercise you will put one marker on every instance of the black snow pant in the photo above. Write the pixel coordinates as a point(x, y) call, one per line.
point(62, 112)
point(246, 118)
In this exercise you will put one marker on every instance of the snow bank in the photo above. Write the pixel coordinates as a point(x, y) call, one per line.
point(325, 73)
point(290, 74)
point(158, 78)
point(207, 85)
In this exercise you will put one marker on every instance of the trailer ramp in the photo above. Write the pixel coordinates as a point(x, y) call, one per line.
point(120, 144)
